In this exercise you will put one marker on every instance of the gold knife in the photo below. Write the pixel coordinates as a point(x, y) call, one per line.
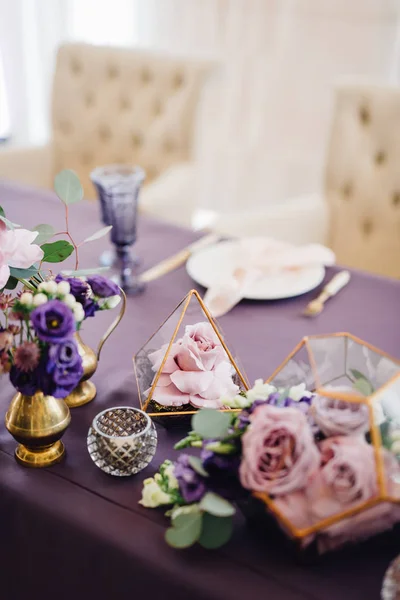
point(331, 289)
point(176, 260)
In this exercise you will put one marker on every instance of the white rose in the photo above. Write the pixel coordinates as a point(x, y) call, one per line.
point(39, 299)
point(63, 288)
point(52, 287)
point(79, 313)
point(42, 287)
point(238, 401)
point(172, 480)
point(112, 301)
point(69, 300)
point(297, 392)
point(152, 495)
point(26, 299)
point(260, 391)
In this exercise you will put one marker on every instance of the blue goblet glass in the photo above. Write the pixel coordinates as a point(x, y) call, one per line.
point(118, 188)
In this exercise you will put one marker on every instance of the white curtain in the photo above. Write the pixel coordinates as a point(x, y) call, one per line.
point(265, 115)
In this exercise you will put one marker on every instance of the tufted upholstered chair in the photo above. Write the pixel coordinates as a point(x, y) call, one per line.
point(117, 105)
point(359, 214)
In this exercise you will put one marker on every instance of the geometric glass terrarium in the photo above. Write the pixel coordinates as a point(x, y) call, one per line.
point(355, 422)
point(186, 365)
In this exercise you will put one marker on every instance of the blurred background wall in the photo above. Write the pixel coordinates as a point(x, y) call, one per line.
point(265, 115)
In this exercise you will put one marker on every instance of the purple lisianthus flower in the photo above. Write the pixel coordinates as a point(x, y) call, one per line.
point(81, 292)
point(191, 484)
point(63, 368)
point(53, 321)
point(213, 462)
point(103, 287)
point(28, 383)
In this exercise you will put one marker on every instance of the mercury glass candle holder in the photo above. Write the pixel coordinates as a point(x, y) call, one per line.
point(122, 441)
point(118, 188)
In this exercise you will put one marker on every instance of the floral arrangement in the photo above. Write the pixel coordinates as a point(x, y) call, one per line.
point(37, 346)
point(197, 371)
point(308, 458)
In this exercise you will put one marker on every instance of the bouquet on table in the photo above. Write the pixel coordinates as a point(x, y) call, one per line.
point(305, 459)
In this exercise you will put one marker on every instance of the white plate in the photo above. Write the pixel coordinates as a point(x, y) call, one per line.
point(207, 267)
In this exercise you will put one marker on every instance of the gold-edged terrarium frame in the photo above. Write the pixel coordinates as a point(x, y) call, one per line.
point(376, 440)
point(185, 303)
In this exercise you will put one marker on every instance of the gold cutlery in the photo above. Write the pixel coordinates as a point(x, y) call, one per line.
point(331, 289)
point(176, 260)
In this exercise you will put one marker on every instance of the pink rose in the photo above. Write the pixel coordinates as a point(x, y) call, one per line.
point(337, 417)
point(197, 370)
point(279, 454)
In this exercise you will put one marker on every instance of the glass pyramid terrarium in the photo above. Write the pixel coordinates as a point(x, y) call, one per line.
point(186, 364)
point(354, 418)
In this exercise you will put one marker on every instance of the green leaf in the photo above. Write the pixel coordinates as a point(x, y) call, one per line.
point(363, 386)
point(221, 448)
point(68, 187)
point(11, 283)
point(215, 532)
point(45, 232)
point(99, 234)
point(8, 223)
point(84, 272)
point(211, 424)
point(197, 466)
point(185, 531)
point(23, 273)
point(57, 251)
point(216, 505)
point(2, 213)
point(357, 374)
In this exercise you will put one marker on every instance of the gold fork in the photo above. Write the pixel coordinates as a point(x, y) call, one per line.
point(331, 289)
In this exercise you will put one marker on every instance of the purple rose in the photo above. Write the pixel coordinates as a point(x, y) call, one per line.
point(63, 368)
point(53, 321)
point(103, 287)
point(81, 292)
point(191, 484)
point(28, 383)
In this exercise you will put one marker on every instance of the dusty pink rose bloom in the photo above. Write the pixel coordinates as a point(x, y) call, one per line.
point(197, 370)
point(338, 417)
point(279, 454)
point(17, 250)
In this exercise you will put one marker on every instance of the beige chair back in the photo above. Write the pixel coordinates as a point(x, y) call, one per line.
point(115, 105)
point(363, 178)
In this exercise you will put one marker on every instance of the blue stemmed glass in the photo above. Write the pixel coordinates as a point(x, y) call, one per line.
point(118, 188)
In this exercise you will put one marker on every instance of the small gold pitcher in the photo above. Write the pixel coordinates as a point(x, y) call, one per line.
point(37, 423)
point(85, 391)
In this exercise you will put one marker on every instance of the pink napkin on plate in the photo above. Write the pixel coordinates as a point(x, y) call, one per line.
point(254, 258)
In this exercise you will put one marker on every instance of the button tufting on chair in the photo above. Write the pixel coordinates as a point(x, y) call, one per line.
point(112, 72)
point(178, 80)
point(146, 75)
point(367, 227)
point(125, 104)
point(396, 199)
point(365, 116)
point(89, 99)
point(137, 140)
point(65, 127)
point(347, 190)
point(105, 133)
point(380, 157)
point(76, 66)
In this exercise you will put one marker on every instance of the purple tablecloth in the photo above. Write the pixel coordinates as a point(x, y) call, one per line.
point(73, 532)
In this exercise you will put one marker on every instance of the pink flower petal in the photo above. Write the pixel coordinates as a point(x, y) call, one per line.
point(192, 383)
point(199, 402)
point(158, 356)
point(4, 275)
point(170, 396)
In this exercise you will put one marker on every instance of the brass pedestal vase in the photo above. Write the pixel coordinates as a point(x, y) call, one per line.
point(85, 391)
point(38, 423)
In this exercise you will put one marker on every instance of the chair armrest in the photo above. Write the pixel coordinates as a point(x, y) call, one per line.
point(171, 196)
point(31, 165)
point(302, 220)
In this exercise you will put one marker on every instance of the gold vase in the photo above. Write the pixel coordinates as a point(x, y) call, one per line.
point(85, 391)
point(38, 423)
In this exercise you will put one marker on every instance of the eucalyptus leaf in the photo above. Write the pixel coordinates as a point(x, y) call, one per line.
point(99, 234)
point(364, 387)
point(211, 424)
point(68, 187)
point(84, 272)
point(2, 213)
point(197, 466)
point(56, 252)
point(357, 374)
point(45, 232)
point(216, 505)
point(9, 223)
point(23, 273)
point(215, 532)
point(11, 283)
point(186, 530)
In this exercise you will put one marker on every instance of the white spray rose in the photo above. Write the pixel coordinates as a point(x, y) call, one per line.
point(26, 299)
point(152, 494)
point(39, 299)
point(63, 288)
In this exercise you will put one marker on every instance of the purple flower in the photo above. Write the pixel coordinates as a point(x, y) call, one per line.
point(81, 292)
point(63, 368)
point(53, 321)
point(191, 484)
point(28, 383)
point(213, 462)
point(103, 287)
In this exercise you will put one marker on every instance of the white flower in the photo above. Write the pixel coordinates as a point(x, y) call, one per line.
point(395, 435)
point(395, 448)
point(69, 300)
point(39, 299)
point(26, 299)
point(52, 287)
point(260, 391)
point(152, 494)
point(172, 480)
point(112, 301)
point(238, 401)
point(297, 392)
point(79, 313)
point(42, 287)
point(63, 288)
point(379, 413)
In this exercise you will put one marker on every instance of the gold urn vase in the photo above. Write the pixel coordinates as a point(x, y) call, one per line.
point(38, 423)
point(85, 391)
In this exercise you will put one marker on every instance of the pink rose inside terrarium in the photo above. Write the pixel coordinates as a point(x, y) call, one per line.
point(186, 364)
point(331, 473)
